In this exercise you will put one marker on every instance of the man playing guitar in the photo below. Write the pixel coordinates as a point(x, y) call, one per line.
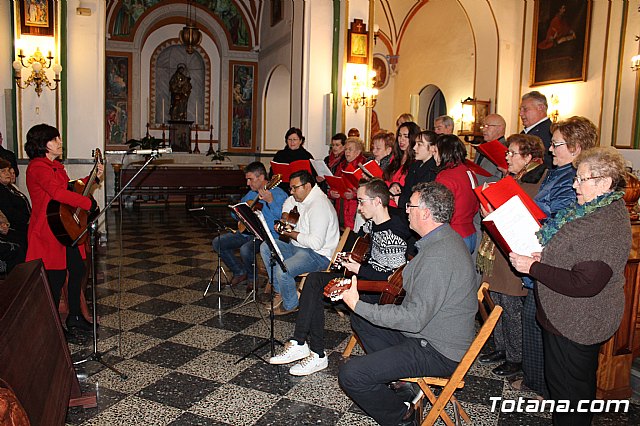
point(313, 240)
point(386, 253)
point(270, 201)
point(426, 335)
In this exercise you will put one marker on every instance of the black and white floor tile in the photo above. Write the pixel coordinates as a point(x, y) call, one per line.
point(180, 353)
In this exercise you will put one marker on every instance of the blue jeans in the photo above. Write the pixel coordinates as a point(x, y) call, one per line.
point(298, 260)
point(230, 243)
point(471, 241)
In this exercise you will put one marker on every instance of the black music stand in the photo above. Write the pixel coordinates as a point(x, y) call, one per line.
point(92, 228)
point(257, 225)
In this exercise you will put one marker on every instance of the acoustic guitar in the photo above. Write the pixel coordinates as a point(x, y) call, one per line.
point(66, 222)
point(392, 291)
point(287, 223)
point(255, 204)
point(358, 254)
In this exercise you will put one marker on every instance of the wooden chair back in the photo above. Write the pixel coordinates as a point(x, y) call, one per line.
point(456, 380)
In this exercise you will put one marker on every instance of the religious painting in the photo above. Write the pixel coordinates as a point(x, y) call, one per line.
point(560, 41)
point(36, 17)
point(358, 43)
point(381, 67)
point(276, 11)
point(242, 105)
point(117, 98)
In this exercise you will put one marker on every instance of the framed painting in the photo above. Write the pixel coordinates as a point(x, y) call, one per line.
point(560, 42)
point(242, 106)
point(37, 17)
point(276, 11)
point(358, 43)
point(381, 67)
point(117, 98)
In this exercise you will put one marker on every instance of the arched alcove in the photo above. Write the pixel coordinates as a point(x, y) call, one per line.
point(432, 105)
point(277, 108)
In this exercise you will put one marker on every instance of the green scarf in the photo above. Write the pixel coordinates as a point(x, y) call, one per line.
point(573, 212)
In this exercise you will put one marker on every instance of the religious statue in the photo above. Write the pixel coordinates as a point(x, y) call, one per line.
point(180, 87)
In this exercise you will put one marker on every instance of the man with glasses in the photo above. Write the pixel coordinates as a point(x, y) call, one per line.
point(429, 333)
point(443, 125)
point(533, 113)
point(386, 253)
point(313, 240)
point(493, 128)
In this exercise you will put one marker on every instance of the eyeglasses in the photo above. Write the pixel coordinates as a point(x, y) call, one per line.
point(584, 179)
point(556, 144)
point(362, 200)
point(409, 205)
point(294, 187)
point(489, 125)
point(511, 153)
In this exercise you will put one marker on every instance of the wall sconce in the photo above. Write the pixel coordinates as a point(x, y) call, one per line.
point(363, 92)
point(554, 101)
point(38, 77)
point(473, 112)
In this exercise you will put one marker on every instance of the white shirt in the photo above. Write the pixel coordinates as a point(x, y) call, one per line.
point(527, 129)
point(318, 225)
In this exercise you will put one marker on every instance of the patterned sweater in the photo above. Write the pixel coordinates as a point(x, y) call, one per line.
point(387, 249)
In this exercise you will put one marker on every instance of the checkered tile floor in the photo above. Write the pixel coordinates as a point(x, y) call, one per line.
point(179, 352)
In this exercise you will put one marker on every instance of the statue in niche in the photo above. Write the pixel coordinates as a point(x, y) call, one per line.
point(180, 87)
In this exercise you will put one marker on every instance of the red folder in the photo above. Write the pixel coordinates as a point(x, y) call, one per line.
point(368, 170)
point(285, 169)
point(495, 152)
point(500, 192)
point(476, 169)
point(340, 184)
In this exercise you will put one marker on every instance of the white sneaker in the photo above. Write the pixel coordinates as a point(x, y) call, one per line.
point(311, 364)
point(292, 351)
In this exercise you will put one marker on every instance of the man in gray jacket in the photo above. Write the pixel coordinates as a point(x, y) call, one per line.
point(428, 334)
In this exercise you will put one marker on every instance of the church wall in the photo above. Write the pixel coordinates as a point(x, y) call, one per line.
point(428, 57)
point(6, 76)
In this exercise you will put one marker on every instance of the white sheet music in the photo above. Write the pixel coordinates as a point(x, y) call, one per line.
point(269, 234)
point(517, 226)
point(321, 167)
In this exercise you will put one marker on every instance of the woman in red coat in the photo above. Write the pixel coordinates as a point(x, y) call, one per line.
point(450, 155)
point(47, 180)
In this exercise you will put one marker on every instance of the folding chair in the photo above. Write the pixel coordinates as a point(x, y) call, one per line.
point(456, 381)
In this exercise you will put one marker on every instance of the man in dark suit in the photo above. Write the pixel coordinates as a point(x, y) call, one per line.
point(9, 156)
point(533, 113)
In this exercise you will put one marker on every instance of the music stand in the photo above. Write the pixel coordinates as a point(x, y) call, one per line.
point(92, 228)
point(257, 225)
point(209, 222)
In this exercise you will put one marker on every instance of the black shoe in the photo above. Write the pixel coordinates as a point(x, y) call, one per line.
point(490, 358)
point(409, 419)
point(78, 321)
point(507, 369)
point(406, 391)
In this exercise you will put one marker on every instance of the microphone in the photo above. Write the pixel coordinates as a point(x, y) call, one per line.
point(142, 151)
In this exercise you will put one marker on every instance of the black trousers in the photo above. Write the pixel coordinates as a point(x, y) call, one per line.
point(570, 372)
point(76, 270)
point(390, 356)
point(310, 321)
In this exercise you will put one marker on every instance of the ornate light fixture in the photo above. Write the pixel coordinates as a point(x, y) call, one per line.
point(38, 78)
point(190, 35)
point(363, 92)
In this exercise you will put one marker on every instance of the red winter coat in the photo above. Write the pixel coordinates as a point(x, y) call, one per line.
point(47, 180)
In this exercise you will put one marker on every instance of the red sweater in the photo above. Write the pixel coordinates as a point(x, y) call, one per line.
point(465, 201)
point(47, 180)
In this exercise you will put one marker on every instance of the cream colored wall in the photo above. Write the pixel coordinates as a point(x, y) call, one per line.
point(6, 77)
point(438, 49)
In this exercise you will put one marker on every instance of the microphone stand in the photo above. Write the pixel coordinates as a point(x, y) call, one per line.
point(92, 228)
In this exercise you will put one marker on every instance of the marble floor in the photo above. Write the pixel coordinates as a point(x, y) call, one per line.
point(180, 353)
